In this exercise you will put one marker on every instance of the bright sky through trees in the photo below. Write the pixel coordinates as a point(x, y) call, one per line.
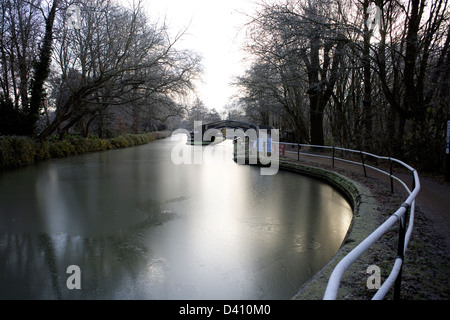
point(214, 33)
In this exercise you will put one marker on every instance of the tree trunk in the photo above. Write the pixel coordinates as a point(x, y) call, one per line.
point(136, 119)
point(367, 100)
point(411, 98)
point(316, 120)
point(41, 71)
point(54, 125)
point(86, 127)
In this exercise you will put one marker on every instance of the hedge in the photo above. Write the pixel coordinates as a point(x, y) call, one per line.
point(16, 151)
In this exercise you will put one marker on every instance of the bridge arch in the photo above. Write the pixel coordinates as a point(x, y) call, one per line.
point(225, 124)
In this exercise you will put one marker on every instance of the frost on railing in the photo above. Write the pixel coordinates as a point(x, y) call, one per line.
point(404, 212)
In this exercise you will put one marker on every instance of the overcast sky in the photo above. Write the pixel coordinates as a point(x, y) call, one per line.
point(213, 33)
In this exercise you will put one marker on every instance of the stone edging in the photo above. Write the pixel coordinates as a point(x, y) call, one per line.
point(364, 222)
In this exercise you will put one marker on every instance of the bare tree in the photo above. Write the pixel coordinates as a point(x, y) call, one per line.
point(273, 92)
point(122, 61)
point(360, 76)
point(41, 71)
point(305, 45)
point(409, 58)
point(21, 26)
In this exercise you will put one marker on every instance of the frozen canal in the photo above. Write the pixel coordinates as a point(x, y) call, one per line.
point(139, 226)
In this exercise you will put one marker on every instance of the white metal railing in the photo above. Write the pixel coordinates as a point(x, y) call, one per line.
point(401, 215)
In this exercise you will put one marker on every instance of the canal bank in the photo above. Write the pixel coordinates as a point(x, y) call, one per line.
point(20, 151)
point(426, 275)
point(363, 223)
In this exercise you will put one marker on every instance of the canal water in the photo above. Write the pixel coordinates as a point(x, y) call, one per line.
point(139, 226)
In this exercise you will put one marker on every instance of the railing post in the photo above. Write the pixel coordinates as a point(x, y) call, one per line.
point(333, 156)
point(401, 250)
point(390, 172)
point(298, 152)
point(363, 164)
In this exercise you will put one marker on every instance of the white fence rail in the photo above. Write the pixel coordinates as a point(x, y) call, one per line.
point(401, 215)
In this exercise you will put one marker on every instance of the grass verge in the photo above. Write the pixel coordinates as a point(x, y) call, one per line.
point(17, 152)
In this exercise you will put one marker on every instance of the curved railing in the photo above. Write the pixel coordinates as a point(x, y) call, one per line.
point(401, 215)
